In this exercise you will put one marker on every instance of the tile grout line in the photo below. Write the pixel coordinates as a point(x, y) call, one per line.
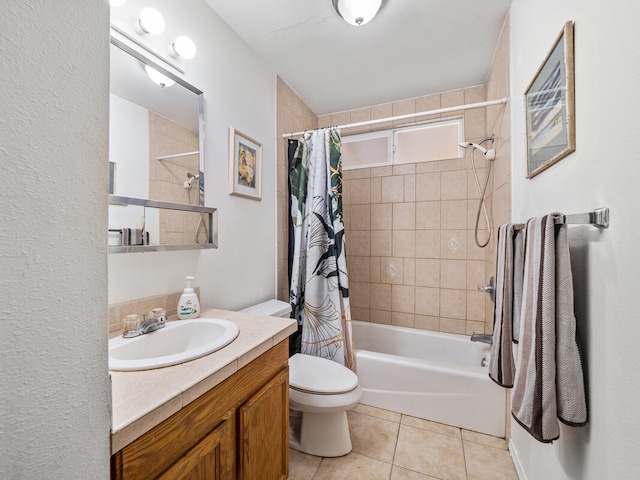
point(317, 468)
point(464, 456)
point(395, 447)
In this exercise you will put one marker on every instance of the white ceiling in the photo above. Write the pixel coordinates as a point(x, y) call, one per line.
point(411, 48)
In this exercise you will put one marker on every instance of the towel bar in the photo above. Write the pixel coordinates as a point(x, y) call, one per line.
point(598, 218)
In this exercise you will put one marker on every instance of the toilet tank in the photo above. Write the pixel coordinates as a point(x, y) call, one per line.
point(271, 308)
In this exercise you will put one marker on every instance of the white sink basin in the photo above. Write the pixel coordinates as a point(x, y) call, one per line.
point(177, 342)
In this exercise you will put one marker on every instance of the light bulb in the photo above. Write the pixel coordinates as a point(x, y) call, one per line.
point(357, 12)
point(150, 21)
point(157, 77)
point(183, 47)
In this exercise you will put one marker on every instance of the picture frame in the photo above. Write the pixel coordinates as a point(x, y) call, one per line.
point(550, 106)
point(245, 165)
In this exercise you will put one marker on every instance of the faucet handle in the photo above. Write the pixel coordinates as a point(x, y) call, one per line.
point(131, 326)
point(131, 322)
point(490, 289)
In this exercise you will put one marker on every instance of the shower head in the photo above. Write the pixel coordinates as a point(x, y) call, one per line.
point(488, 154)
point(191, 178)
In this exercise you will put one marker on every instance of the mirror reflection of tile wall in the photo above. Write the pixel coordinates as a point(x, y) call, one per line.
point(167, 179)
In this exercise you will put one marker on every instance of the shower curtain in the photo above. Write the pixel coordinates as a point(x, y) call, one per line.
point(319, 290)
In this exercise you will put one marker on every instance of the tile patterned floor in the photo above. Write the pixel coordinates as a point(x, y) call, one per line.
point(391, 446)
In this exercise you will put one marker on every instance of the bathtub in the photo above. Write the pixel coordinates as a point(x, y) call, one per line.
point(430, 375)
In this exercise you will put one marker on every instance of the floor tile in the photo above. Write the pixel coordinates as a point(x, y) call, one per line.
point(483, 439)
point(399, 473)
point(424, 450)
point(373, 437)
point(430, 453)
point(377, 412)
point(485, 462)
point(352, 466)
point(431, 426)
point(301, 465)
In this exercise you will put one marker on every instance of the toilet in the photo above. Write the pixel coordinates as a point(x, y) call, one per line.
point(320, 393)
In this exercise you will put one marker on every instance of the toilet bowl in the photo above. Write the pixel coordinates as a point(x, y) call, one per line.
point(320, 393)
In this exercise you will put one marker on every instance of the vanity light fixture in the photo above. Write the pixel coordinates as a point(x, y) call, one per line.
point(157, 77)
point(357, 12)
point(182, 47)
point(150, 21)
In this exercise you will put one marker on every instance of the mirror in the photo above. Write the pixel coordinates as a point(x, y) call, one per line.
point(155, 136)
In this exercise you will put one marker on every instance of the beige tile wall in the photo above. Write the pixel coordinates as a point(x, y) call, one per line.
point(293, 116)
point(167, 177)
point(410, 250)
point(499, 122)
point(143, 305)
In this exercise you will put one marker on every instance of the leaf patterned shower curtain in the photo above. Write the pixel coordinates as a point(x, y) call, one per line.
point(319, 291)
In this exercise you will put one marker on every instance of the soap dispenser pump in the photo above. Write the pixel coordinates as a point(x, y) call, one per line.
point(188, 305)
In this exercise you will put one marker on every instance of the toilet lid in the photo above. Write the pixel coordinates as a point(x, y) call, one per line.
point(320, 375)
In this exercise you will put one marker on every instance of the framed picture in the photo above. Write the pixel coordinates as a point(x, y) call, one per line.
point(245, 165)
point(550, 107)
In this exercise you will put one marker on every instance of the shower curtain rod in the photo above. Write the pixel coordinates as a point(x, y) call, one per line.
point(413, 115)
point(177, 155)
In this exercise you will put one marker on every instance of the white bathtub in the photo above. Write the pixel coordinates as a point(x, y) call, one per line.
point(430, 375)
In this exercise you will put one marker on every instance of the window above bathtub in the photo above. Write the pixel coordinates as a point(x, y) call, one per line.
point(428, 142)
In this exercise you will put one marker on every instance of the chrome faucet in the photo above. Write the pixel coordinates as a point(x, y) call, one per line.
point(147, 325)
point(481, 337)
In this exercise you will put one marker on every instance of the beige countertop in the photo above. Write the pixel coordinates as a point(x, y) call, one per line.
point(143, 399)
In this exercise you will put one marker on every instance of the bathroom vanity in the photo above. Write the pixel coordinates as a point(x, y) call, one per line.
point(222, 416)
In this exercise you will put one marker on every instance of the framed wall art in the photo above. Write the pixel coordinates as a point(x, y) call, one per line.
point(550, 107)
point(245, 165)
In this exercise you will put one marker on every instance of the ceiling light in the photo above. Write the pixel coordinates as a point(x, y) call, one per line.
point(157, 77)
point(150, 21)
point(183, 47)
point(357, 12)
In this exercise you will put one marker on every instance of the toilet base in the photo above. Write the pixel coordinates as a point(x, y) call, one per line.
point(320, 434)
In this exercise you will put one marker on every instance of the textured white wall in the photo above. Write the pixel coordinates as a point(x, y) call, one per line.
point(604, 171)
point(54, 396)
point(240, 92)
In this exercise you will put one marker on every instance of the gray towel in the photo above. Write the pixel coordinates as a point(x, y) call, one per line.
point(518, 274)
point(501, 365)
point(549, 381)
point(572, 403)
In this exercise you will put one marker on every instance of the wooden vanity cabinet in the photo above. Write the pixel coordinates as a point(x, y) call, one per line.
point(237, 430)
point(263, 432)
point(208, 459)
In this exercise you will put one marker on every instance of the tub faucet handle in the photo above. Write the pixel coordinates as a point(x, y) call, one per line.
point(490, 289)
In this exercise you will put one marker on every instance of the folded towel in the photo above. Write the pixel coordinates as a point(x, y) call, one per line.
point(572, 403)
point(501, 365)
point(518, 275)
point(549, 380)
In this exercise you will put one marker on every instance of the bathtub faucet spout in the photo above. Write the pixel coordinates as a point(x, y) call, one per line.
point(483, 338)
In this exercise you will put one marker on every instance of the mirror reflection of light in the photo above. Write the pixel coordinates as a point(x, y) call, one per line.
point(157, 77)
point(150, 21)
point(183, 47)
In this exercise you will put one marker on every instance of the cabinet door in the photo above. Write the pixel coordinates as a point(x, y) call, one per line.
point(263, 432)
point(213, 458)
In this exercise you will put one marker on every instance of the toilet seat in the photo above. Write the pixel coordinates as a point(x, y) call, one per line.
point(320, 376)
